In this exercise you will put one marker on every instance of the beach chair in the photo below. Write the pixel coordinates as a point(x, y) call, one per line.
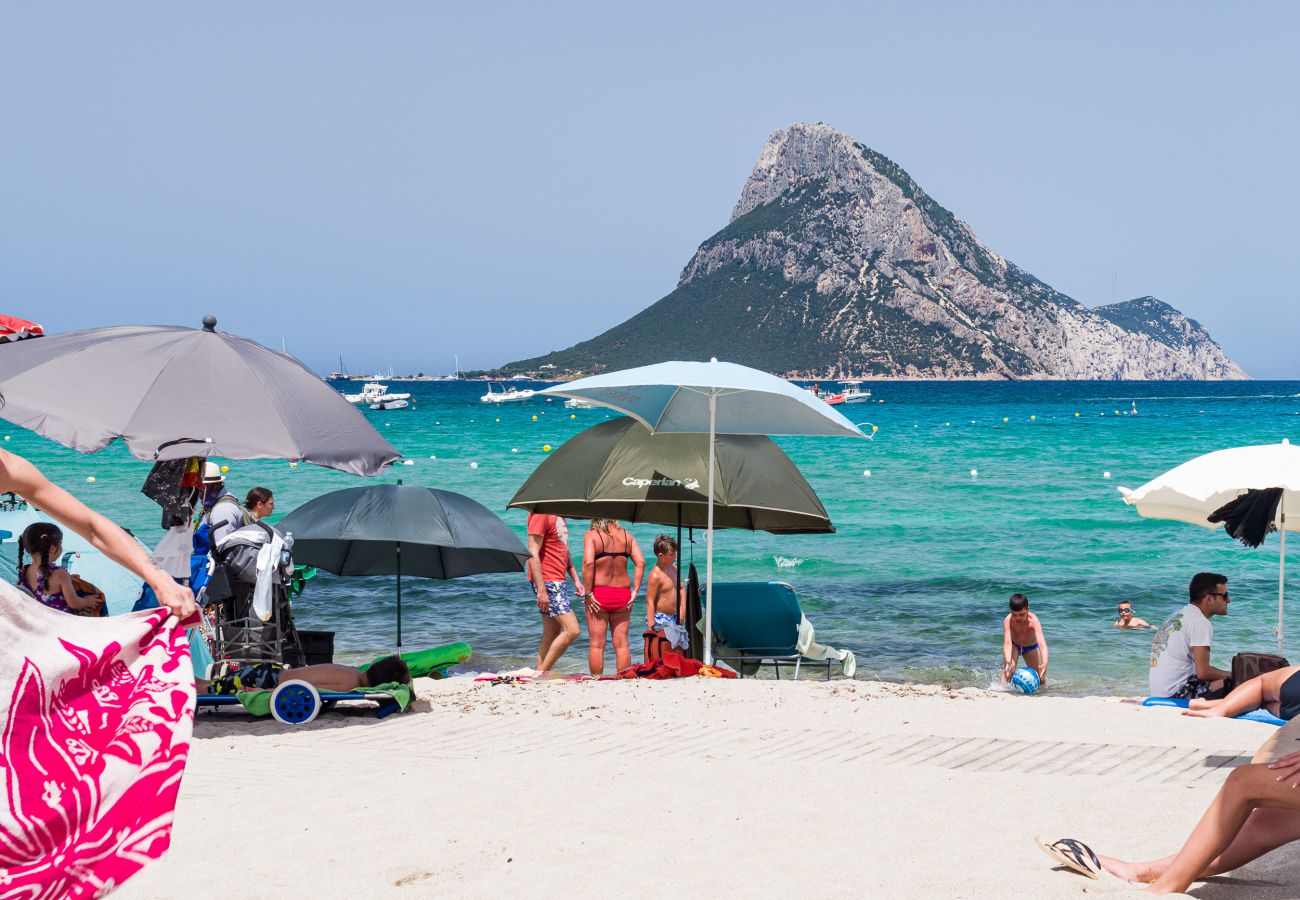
point(757, 622)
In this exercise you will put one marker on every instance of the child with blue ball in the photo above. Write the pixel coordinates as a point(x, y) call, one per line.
point(1022, 637)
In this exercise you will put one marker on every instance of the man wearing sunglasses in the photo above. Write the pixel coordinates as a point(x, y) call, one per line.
point(1180, 654)
point(1127, 619)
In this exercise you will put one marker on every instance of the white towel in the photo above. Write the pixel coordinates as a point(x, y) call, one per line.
point(267, 559)
point(810, 649)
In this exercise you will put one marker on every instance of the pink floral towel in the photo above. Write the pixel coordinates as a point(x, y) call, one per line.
point(97, 715)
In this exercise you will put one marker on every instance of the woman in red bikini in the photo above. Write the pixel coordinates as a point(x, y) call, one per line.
point(606, 550)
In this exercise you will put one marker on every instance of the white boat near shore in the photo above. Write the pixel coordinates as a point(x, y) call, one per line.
point(575, 403)
point(853, 392)
point(374, 392)
point(506, 395)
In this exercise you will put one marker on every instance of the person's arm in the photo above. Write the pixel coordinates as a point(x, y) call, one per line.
point(535, 571)
point(652, 589)
point(1205, 671)
point(1008, 662)
point(23, 478)
point(1042, 648)
point(1141, 623)
point(61, 583)
point(573, 573)
point(589, 562)
point(638, 564)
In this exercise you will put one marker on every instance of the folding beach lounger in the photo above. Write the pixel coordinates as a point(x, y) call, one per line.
point(757, 622)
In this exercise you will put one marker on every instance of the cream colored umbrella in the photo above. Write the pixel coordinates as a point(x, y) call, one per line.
point(1193, 491)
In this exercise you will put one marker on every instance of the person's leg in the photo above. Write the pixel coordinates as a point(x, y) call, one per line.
point(597, 624)
point(619, 624)
point(1265, 830)
point(325, 677)
point(565, 627)
point(1247, 788)
point(1242, 700)
point(1034, 659)
point(550, 628)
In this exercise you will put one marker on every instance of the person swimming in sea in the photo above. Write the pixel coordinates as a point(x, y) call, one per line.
point(1022, 638)
point(1127, 619)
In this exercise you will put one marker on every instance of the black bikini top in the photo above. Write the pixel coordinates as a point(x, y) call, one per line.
point(604, 553)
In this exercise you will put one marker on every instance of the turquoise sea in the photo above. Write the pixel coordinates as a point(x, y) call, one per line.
point(915, 580)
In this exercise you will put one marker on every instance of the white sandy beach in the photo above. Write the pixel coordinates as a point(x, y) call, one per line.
point(640, 789)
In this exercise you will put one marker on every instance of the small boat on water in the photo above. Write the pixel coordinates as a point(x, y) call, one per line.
point(575, 403)
point(853, 392)
point(391, 404)
point(505, 395)
point(374, 392)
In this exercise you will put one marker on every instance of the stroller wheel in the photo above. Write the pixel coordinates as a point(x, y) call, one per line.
point(295, 703)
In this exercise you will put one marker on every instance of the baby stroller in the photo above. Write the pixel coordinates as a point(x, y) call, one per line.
point(251, 625)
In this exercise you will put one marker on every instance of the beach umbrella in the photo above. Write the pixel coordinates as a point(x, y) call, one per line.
point(173, 392)
point(621, 470)
point(713, 398)
point(13, 328)
point(1229, 487)
point(397, 529)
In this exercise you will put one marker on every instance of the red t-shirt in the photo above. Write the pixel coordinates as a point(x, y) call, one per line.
point(555, 545)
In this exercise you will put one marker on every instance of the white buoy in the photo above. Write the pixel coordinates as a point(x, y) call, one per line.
point(514, 449)
point(866, 473)
point(6, 437)
point(432, 456)
point(408, 462)
point(293, 465)
point(473, 465)
point(974, 473)
point(90, 479)
point(1105, 474)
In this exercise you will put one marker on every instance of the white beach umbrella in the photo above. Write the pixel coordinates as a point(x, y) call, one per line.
point(713, 397)
point(1192, 491)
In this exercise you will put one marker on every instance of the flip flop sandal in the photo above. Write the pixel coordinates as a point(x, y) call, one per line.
point(1074, 855)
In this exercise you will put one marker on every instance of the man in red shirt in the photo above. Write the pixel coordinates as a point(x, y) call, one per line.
point(548, 571)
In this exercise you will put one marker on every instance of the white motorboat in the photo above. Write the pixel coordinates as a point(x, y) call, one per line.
point(505, 395)
point(575, 403)
point(853, 392)
point(391, 404)
point(374, 392)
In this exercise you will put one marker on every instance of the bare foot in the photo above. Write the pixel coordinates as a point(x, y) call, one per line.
point(1199, 703)
point(1137, 873)
point(1203, 713)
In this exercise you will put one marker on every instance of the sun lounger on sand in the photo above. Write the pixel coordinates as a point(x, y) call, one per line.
point(757, 622)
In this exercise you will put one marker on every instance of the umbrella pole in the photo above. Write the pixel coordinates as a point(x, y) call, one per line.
point(678, 595)
point(708, 564)
point(399, 597)
point(1281, 570)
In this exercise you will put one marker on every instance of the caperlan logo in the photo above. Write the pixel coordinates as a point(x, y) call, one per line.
point(689, 483)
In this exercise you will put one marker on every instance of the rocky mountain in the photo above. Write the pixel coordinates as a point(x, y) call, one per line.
point(836, 263)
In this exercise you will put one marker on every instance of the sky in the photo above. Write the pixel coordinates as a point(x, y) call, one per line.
point(400, 184)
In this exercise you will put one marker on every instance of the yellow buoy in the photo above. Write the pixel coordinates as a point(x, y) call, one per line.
point(225, 469)
point(534, 418)
point(875, 427)
point(498, 421)
point(1004, 418)
point(1076, 415)
point(546, 448)
point(1033, 418)
point(573, 415)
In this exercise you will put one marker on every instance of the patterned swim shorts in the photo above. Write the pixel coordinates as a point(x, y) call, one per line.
point(557, 593)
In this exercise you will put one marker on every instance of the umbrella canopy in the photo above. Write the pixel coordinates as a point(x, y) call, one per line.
point(1194, 491)
point(173, 392)
point(621, 470)
point(13, 328)
point(715, 398)
point(675, 396)
point(391, 529)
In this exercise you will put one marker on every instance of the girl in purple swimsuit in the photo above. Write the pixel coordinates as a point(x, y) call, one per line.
point(44, 579)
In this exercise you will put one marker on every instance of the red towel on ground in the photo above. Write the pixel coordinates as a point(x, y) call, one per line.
point(670, 665)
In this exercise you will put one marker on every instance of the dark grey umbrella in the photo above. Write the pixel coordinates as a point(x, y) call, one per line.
point(391, 529)
point(173, 392)
point(620, 470)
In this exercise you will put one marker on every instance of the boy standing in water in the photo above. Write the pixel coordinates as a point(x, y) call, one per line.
point(1022, 636)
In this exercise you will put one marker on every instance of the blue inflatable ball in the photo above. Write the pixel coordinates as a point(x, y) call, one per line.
point(1025, 680)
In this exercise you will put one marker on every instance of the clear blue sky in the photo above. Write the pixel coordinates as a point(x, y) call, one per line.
point(401, 182)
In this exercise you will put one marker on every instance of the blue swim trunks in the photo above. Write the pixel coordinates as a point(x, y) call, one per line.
point(557, 593)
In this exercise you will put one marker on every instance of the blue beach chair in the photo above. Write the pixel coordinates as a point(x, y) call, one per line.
point(757, 622)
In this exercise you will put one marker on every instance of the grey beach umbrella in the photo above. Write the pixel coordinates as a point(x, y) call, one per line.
point(621, 470)
point(396, 529)
point(172, 392)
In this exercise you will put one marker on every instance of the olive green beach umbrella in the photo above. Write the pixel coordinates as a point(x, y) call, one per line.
point(621, 470)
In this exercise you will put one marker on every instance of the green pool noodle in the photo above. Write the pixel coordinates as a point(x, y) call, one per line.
point(422, 662)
